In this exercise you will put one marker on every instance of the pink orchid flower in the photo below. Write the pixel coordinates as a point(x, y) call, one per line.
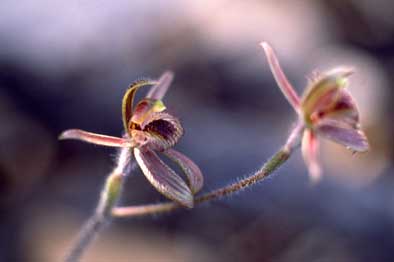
point(149, 129)
point(326, 109)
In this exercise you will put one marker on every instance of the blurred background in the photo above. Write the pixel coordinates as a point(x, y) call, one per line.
point(66, 64)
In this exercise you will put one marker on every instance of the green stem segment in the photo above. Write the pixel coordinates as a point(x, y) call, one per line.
point(102, 215)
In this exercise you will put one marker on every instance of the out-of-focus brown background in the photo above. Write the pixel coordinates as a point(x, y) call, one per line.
point(66, 64)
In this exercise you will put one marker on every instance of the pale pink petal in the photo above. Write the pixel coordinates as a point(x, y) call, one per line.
point(158, 91)
point(344, 134)
point(191, 170)
point(280, 77)
point(97, 139)
point(310, 147)
point(163, 178)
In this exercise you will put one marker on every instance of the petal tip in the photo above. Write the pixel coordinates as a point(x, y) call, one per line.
point(265, 45)
point(186, 200)
point(189, 203)
point(342, 71)
point(349, 71)
point(160, 88)
point(68, 134)
point(267, 48)
point(168, 74)
point(363, 147)
point(315, 174)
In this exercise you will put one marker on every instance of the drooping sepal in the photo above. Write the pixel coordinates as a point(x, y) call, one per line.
point(310, 149)
point(189, 168)
point(163, 178)
point(97, 139)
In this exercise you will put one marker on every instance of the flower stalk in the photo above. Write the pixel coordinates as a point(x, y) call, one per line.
point(268, 168)
point(102, 215)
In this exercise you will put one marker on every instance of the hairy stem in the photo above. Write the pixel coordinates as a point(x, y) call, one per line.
point(102, 215)
point(271, 165)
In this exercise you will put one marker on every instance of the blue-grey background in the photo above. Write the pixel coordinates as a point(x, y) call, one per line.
point(66, 64)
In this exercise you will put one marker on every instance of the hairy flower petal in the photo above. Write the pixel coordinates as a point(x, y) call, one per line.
point(344, 134)
point(158, 91)
point(163, 178)
point(95, 138)
point(280, 77)
point(191, 170)
point(163, 131)
point(323, 90)
point(310, 148)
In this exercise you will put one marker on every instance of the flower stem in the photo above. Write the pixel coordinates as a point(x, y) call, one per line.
point(270, 166)
point(102, 215)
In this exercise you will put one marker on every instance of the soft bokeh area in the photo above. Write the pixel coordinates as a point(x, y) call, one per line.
point(66, 64)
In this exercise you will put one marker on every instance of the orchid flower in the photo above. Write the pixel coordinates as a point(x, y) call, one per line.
point(325, 109)
point(150, 129)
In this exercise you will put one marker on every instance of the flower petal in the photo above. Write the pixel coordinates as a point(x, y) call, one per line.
point(95, 138)
point(343, 134)
point(163, 178)
point(322, 90)
point(163, 130)
point(310, 147)
point(191, 170)
point(280, 77)
point(127, 102)
point(144, 110)
point(158, 91)
point(343, 109)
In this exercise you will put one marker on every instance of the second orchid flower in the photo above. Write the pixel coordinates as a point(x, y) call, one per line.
point(325, 109)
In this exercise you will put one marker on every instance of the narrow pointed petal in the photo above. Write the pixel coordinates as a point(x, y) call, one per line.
point(163, 178)
point(158, 91)
point(280, 77)
point(95, 138)
point(128, 99)
point(310, 147)
point(339, 132)
point(191, 170)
